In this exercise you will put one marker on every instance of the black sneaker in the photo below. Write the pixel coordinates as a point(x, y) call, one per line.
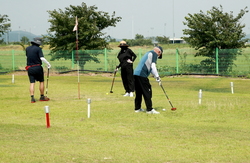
point(33, 100)
point(44, 98)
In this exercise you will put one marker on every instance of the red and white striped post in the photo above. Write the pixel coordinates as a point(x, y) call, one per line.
point(46, 108)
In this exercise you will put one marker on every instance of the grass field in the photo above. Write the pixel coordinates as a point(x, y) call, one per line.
point(216, 131)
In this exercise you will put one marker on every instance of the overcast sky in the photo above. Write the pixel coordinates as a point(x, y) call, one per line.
point(145, 17)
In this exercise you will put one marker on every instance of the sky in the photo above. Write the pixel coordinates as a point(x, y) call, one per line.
point(144, 17)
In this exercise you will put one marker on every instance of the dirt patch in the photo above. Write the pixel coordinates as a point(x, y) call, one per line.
point(75, 73)
point(200, 76)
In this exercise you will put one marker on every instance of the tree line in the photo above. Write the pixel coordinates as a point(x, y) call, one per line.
point(205, 32)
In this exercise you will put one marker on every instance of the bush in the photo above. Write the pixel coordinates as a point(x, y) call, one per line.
point(166, 70)
point(62, 68)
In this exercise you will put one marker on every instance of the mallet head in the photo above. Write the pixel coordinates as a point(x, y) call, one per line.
point(173, 109)
point(111, 91)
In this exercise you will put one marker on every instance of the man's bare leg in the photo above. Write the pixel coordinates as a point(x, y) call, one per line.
point(32, 91)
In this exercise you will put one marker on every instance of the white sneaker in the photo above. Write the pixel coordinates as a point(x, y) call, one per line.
point(139, 110)
point(126, 94)
point(153, 111)
point(131, 94)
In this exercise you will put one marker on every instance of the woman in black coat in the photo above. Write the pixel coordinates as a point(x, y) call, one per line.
point(126, 58)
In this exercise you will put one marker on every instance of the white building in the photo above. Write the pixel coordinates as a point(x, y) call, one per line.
point(176, 41)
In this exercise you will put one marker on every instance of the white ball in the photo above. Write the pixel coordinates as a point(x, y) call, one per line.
point(164, 109)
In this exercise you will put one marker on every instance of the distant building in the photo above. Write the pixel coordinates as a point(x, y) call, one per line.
point(176, 41)
point(155, 43)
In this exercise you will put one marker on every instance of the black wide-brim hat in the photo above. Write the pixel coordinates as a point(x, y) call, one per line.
point(37, 41)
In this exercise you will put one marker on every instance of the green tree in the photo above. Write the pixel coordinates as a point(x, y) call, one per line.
point(91, 23)
point(139, 36)
point(24, 40)
point(162, 40)
point(138, 41)
point(110, 39)
point(216, 29)
point(4, 25)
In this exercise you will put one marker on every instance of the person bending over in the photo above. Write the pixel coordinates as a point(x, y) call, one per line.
point(143, 88)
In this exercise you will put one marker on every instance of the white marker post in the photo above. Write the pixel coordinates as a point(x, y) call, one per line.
point(46, 109)
point(200, 96)
point(89, 101)
point(13, 78)
point(232, 87)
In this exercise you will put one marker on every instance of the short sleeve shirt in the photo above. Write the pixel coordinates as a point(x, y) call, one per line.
point(34, 53)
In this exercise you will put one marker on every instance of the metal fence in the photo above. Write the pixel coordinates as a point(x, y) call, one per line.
point(175, 61)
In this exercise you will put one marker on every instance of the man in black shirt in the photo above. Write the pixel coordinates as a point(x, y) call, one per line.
point(34, 67)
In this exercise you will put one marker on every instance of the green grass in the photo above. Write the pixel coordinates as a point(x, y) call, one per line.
point(218, 130)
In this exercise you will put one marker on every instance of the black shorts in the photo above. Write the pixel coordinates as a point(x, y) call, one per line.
point(36, 74)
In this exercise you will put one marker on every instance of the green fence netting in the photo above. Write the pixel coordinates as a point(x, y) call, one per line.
point(228, 62)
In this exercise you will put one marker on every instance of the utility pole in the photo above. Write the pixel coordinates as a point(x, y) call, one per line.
point(173, 22)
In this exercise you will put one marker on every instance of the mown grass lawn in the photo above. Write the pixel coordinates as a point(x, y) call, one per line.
point(217, 130)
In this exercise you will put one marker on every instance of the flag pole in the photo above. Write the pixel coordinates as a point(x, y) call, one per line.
point(77, 57)
point(78, 64)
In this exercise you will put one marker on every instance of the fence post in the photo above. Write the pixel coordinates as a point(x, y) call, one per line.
point(177, 61)
point(72, 59)
point(105, 59)
point(217, 60)
point(13, 60)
